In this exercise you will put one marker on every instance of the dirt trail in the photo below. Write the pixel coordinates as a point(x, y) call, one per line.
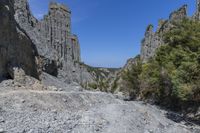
point(29, 111)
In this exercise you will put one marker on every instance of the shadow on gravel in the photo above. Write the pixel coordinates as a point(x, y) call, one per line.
point(181, 118)
point(5, 77)
point(177, 116)
point(2, 79)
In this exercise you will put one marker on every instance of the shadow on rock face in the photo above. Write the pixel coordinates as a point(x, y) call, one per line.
point(51, 68)
point(16, 48)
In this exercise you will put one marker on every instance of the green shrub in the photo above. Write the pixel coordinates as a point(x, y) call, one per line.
point(93, 86)
point(174, 72)
point(131, 79)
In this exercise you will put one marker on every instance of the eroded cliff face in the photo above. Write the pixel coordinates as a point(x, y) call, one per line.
point(16, 48)
point(28, 23)
point(154, 40)
point(35, 46)
point(55, 29)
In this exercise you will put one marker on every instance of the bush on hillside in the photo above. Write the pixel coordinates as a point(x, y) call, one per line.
point(131, 80)
point(174, 72)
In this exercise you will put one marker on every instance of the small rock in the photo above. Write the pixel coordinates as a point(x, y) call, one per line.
point(54, 118)
point(151, 131)
point(35, 109)
point(65, 100)
point(2, 120)
point(23, 101)
point(97, 129)
point(2, 131)
point(19, 86)
point(54, 111)
point(146, 131)
point(60, 89)
point(24, 131)
point(53, 88)
point(48, 126)
point(30, 131)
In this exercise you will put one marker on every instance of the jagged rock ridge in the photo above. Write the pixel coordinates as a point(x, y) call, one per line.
point(153, 40)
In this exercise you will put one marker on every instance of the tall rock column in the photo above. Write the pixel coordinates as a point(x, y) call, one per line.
point(75, 48)
point(56, 27)
point(197, 13)
point(147, 43)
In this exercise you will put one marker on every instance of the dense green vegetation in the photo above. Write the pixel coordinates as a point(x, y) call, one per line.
point(131, 79)
point(172, 76)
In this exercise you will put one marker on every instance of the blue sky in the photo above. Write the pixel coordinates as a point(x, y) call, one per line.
point(110, 31)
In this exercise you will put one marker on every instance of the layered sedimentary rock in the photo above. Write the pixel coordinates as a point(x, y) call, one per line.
point(154, 40)
point(40, 45)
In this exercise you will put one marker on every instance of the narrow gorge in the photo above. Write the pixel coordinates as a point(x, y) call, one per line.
point(47, 88)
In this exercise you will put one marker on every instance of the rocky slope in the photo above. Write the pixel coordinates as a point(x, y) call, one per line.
point(42, 109)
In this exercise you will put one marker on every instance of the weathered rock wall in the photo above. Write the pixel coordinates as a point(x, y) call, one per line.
point(55, 28)
point(47, 45)
point(16, 48)
point(28, 23)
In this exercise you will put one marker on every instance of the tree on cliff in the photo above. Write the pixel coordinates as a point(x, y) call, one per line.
point(172, 76)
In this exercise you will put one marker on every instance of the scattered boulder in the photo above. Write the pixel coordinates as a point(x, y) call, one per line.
point(2, 131)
